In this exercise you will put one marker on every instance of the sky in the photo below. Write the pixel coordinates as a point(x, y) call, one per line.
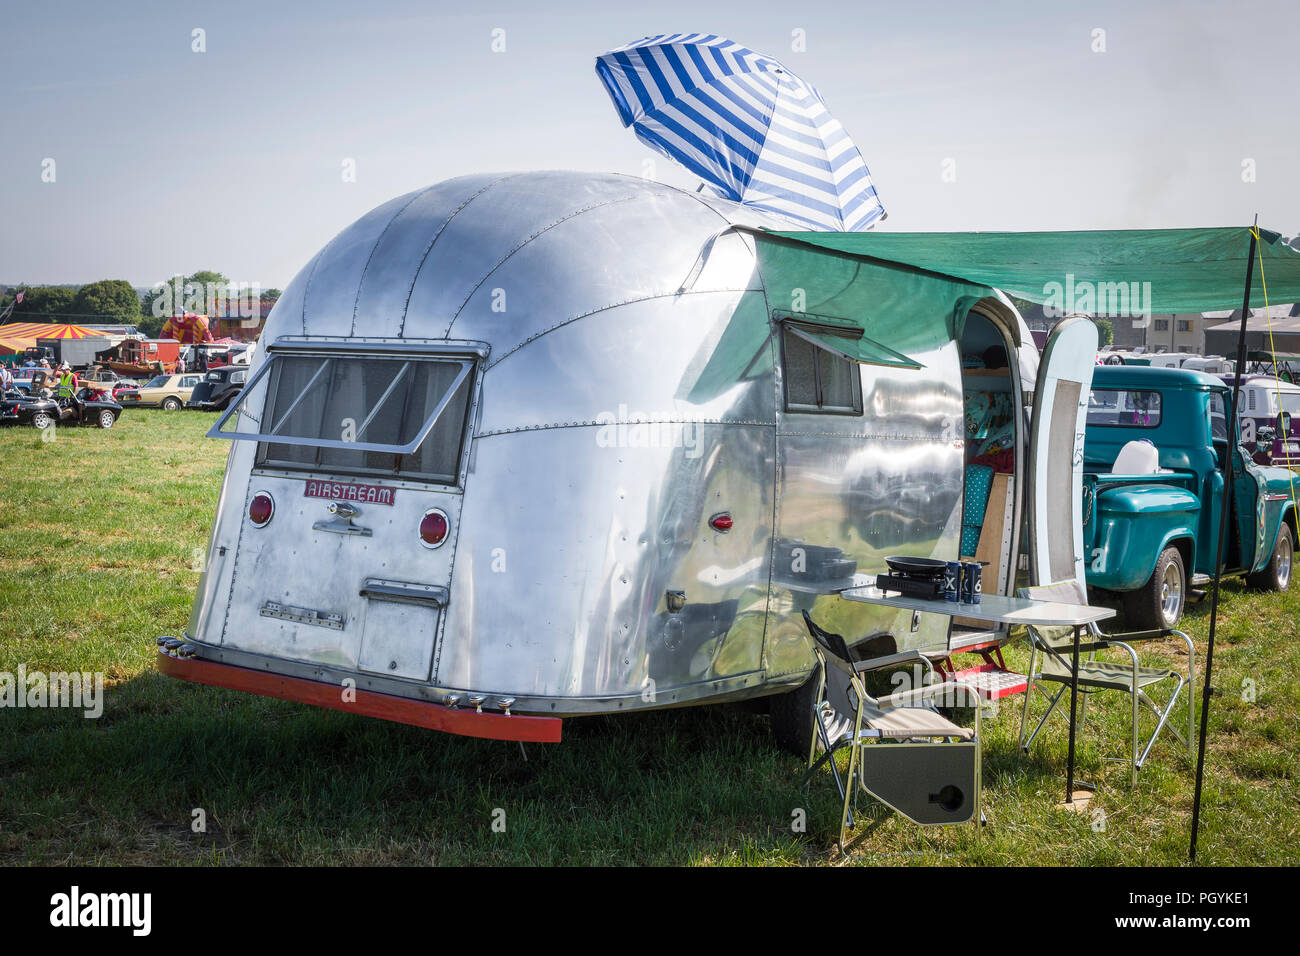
point(971, 116)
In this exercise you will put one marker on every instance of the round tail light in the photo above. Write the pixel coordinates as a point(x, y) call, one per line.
point(433, 528)
point(260, 509)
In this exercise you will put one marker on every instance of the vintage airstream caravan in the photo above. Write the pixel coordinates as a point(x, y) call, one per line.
point(522, 447)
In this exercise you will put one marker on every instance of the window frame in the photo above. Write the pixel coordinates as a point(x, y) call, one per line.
point(471, 356)
point(791, 326)
point(1160, 408)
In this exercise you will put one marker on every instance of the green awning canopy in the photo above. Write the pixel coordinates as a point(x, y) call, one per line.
point(1123, 271)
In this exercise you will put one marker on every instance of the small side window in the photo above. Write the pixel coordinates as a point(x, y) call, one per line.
point(818, 380)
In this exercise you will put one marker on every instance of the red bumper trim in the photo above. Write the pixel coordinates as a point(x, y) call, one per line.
point(464, 722)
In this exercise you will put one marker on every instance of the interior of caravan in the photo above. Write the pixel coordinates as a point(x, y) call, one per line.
point(993, 419)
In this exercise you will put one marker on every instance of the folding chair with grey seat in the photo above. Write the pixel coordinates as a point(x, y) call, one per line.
point(1050, 661)
point(902, 751)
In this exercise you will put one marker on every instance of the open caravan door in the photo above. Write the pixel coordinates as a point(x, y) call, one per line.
point(1055, 488)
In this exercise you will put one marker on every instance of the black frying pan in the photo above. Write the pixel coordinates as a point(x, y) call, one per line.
point(906, 565)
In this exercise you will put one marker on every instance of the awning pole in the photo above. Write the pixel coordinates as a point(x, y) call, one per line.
point(1225, 515)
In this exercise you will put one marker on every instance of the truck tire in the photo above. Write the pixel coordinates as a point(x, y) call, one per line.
point(1159, 603)
point(1276, 575)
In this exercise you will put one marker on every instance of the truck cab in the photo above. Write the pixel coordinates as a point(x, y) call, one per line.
point(1155, 454)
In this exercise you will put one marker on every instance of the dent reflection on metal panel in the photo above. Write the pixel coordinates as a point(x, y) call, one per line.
point(577, 535)
point(698, 357)
point(889, 482)
point(641, 256)
point(492, 229)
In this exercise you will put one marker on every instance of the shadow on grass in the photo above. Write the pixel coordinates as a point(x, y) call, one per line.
point(280, 782)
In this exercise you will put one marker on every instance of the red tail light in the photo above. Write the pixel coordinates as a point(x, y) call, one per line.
point(433, 528)
point(260, 509)
point(721, 522)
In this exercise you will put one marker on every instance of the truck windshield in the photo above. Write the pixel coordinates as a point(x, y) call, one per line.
point(1130, 408)
point(401, 416)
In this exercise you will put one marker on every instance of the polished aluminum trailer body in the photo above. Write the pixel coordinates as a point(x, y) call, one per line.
point(581, 572)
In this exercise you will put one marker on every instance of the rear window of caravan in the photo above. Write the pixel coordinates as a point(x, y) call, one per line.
point(402, 417)
point(1131, 408)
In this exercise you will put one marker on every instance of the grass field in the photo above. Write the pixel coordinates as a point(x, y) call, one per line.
point(98, 535)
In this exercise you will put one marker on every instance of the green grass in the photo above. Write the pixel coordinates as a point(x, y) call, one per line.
point(98, 532)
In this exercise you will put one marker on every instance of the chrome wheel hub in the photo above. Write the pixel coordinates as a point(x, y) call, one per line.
point(1171, 595)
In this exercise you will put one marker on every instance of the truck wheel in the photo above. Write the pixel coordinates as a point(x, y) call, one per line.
point(171, 404)
point(1276, 575)
point(1158, 604)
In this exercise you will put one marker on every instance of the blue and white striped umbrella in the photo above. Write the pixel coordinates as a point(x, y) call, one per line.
point(745, 124)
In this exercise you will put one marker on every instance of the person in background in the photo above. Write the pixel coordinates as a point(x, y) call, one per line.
point(6, 379)
point(180, 365)
point(67, 390)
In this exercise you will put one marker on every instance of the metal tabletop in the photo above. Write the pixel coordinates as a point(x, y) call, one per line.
point(992, 609)
point(996, 609)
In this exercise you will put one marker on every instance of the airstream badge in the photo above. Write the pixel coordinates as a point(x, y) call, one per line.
point(338, 491)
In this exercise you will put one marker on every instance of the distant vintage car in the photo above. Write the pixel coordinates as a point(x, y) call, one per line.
point(125, 385)
point(23, 379)
point(220, 387)
point(94, 408)
point(169, 392)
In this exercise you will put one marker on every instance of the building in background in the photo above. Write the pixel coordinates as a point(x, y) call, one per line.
point(1281, 325)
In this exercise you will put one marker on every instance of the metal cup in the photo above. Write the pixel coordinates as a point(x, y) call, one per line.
point(972, 582)
point(952, 581)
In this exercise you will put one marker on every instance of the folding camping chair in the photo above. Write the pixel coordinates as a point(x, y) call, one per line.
point(1050, 663)
point(902, 751)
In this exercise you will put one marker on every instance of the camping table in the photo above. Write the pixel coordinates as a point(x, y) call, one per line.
point(996, 609)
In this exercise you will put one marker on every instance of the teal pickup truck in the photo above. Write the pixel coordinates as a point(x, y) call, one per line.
point(1154, 453)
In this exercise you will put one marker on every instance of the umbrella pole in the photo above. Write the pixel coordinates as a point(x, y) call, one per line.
point(1225, 515)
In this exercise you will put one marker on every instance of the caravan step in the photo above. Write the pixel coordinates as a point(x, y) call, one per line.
point(993, 683)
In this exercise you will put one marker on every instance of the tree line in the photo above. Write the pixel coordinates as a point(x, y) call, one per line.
point(106, 302)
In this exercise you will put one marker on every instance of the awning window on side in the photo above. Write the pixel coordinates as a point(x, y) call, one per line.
point(845, 338)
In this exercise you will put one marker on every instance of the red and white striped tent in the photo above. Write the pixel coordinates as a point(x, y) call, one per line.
point(45, 330)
